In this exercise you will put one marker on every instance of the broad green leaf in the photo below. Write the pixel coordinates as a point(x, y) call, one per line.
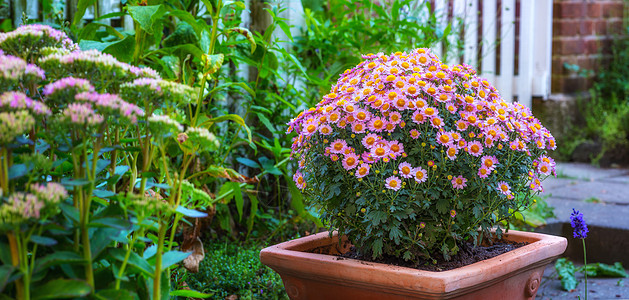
point(56, 258)
point(120, 49)
point(43, 240)
point(190, 212)
point(286, 29)
point(188, 19)
point(172, 257)
point(149, 252)
point(247, 34)
point(89, 31)
point(190, 294)
point(134, 260)
point(121, 294)
point(605, 270)
point(5, 273)
point(62, 288)
point(17, 171)
point(565, 269)
point(248, 162)
point(214, 63)
point(266, 122)
point(146, 16)
point(80, 10)
point(112, 222)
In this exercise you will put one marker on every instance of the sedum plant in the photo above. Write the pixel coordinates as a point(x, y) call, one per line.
point(410, 157)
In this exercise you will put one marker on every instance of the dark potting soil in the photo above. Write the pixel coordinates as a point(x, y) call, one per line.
point(468, 254)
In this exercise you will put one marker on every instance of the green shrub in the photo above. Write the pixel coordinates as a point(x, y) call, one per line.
point(233, 269)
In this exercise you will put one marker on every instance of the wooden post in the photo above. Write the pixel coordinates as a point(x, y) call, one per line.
point(507, 50)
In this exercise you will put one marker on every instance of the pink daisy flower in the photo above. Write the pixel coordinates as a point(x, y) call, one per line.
point(338, 146)
point(362, 171)
point(483, 172)
point(459, 182)
point(393, 183)
point(489, 161)
point(475, 148)
point(504, 188)
point(358, 127)
point(396, 148)
point(419, 117)
point(436, 122)
point(406, 170)
point(367, 158)
point(362, 115)
point(380, 150)
point(370, 139)
point(325, 129)
point(299, 180)
point(350, 161)
point(414, 134)
point(451, 152)
point(310, 128)
point(420, 174)
point(544, 168)
point(395, 118)
point(377, 124)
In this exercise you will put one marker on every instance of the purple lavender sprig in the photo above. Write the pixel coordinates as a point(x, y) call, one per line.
point(580, 229)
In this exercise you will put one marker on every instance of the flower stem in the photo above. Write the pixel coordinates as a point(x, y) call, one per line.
point(585, 261)
point(158, 261)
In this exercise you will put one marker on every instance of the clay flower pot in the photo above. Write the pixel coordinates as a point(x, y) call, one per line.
point(310, 270)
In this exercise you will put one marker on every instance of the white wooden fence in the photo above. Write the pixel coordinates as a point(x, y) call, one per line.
point(497, 40)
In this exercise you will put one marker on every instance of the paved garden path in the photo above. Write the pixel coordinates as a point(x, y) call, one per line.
point(602, 195)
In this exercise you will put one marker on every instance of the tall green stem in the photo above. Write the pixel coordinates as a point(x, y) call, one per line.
point(585, 261)
point(158, 261)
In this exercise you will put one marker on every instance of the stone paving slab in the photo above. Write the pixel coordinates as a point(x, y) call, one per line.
point(596, 214)
point(552, 183)
point(612, 192)
point(586, 171)
point(598, 288)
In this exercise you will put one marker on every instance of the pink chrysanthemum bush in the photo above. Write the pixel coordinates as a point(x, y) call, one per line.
point(410, 157)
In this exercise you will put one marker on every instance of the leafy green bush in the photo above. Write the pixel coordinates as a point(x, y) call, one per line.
point(233, 269)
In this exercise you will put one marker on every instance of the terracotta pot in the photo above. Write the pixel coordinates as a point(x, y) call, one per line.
point(310, 270)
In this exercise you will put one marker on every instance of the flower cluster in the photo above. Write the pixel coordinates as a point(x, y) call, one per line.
point(28, 39)
point(110, 104)
point(200, 139)
point(98, 67)
point(81, 114)
point(580, 229)
point(21, 205)
point(156, 91)
point(18, 101)
point(161, 126)
point(14, 70)
point(412, 138)
point(14, 124)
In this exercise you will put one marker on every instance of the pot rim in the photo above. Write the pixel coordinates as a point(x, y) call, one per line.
point(541, 250)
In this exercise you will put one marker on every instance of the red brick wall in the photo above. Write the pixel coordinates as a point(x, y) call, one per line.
point(582, 34)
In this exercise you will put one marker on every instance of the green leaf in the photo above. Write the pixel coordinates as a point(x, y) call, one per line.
point(42, 240)
point(80, 10)
point(247, 34)
point(146, 16)
point(188, 19)
point(236, 118)
point(286, 29)
point(248, 162)
point(134, 260)
point(565, 269)
point(252, 212)
point(190, 212)
point(242, 85)
point(266, 122)
point(5, 273)
point(190, 294)
point(214, 63)
point(238, 197)
point(62, 288)
point(112, 222)
point(605, 270)
point(89, 31)
point(121, 294)
point(57, 258)
point(17, 171)
point(120, 49)
point(443, 205)
point(376, 247)
point(172, 257)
